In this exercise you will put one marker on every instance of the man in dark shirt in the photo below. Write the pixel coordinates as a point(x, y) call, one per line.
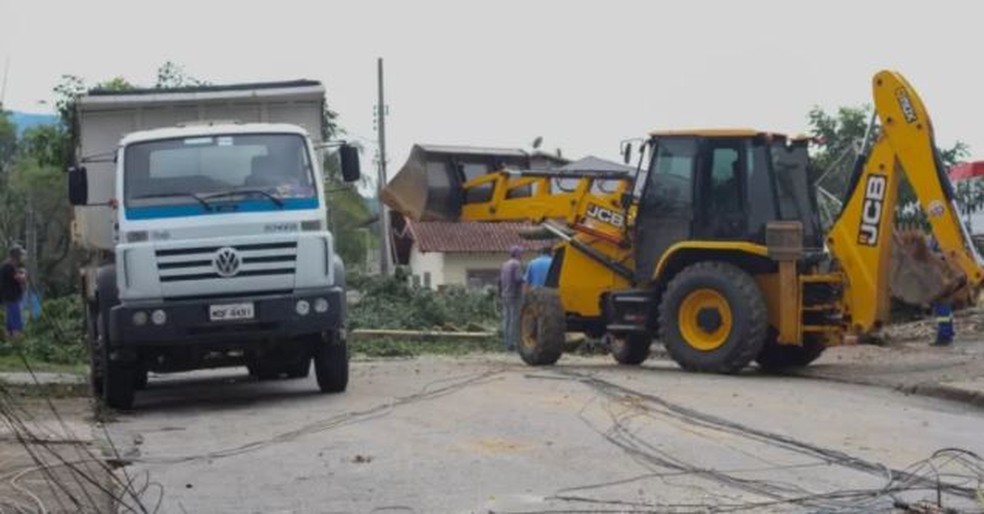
point(511, 295)
point(13, 282)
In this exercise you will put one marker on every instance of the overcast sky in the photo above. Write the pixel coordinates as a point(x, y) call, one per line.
point(584, 75)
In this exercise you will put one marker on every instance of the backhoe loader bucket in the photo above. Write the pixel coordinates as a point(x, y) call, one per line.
point(920, 276)
point(429, 186)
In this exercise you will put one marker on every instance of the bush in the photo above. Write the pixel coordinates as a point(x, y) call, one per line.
point(390, 302)
point(57, 337)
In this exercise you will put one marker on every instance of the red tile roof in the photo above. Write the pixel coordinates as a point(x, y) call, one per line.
point(470, 237)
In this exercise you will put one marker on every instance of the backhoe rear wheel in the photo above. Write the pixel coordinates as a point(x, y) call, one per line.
point(542, 326)
point(713, 318)
point(629, 349)
point(777, 357)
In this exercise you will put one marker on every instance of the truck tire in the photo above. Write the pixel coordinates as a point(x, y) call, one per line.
point(331, 363)
point(96, 333)
point(118, 384)
point(776, 357)
point(713, 318)
point(542, 327)
point(300, 368)
point(629, 349)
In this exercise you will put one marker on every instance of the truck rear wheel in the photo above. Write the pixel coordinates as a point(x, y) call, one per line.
point(777, 357)
point(542, 327)
point(331, 363)
point(629, 349)
point(713, 318)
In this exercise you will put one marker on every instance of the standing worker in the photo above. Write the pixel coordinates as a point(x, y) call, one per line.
point(13, 283)
point(538, 268)
point(942, 309)
point(511, 294)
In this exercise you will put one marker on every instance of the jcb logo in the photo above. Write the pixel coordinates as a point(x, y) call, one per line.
point(606, 215)
point(905, 103)
point(871, 210)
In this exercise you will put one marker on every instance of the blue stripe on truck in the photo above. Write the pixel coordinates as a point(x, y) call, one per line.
point(180, 211)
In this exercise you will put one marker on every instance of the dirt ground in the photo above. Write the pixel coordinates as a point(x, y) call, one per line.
point(485, 433)
point(49, 460)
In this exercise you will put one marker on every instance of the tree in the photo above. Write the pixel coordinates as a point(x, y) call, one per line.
point(8, 139)
point(839, 136)
point(171, 76)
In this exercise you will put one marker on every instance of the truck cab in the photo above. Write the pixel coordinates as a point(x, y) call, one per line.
point(220, 254)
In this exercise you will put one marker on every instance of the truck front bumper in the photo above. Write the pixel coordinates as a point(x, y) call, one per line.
point(188, 321)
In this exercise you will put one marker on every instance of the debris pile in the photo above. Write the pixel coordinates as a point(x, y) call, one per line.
point(966, 321)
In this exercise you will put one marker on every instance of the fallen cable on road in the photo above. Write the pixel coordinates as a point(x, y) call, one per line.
point(950, 474)
point(339, 420)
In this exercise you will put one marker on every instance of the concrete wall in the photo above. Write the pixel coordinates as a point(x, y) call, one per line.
point(451, 268)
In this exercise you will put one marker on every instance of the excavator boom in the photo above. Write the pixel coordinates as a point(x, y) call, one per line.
point(876, 261)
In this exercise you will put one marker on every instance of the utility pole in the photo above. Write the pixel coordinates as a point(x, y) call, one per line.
point(384, 247)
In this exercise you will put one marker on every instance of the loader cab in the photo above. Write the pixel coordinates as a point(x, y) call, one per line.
point(720, 186)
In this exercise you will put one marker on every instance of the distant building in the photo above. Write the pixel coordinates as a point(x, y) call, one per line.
point(442, 253)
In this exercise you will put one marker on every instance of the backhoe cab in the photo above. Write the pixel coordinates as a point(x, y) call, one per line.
point(715, 246)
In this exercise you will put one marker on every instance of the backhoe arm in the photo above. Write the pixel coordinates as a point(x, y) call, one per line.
point(863, 238)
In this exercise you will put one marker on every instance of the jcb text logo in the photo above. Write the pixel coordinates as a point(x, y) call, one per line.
point(871, 210)
point(606, 215)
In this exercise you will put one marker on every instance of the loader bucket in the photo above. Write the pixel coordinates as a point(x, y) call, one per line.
point(920, 276)
point(429, 186)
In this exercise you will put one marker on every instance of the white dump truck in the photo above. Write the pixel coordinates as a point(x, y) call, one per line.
point(203, 216)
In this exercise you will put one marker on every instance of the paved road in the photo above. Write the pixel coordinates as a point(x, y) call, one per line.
point(481, 434)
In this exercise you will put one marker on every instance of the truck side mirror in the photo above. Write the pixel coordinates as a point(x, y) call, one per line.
point(349, 156)
point(627, 152)
point(78, 185)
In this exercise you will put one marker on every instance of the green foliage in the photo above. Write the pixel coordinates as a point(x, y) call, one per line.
point(8, 139)
point(57, 337)
point(171, 75)
point(840, 135)
point(389, 302)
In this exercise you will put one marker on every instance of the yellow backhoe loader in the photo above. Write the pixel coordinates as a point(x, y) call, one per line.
point(715, 247)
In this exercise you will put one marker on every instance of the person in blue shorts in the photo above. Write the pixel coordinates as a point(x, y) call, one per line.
point(13, 283)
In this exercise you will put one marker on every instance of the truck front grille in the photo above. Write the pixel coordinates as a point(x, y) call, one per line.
point(199, 263)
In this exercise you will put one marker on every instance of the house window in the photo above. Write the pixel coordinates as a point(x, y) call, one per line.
point(427, 279)
point(479, 278)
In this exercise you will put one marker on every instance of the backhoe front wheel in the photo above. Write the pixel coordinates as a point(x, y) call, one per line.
point(776, 357)
point(713, 318)
point(542, 327)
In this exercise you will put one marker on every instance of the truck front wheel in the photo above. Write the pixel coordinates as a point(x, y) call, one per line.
point(119, 380)
point(331, 363)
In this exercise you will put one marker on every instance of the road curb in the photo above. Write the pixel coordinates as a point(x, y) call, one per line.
point(947, 392)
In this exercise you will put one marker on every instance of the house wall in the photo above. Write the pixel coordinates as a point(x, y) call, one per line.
point(422, 264)
point(456, 265)
point(451, 268)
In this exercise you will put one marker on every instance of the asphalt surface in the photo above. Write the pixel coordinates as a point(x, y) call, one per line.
point(488, 434)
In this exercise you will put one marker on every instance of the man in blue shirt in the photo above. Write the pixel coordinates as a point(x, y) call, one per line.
point(537, 269)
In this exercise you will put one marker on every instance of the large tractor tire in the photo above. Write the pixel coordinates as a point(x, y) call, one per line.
point(629, 349)
point(776, 357)
point(713, 318)
point(542, 326)
point(331, 363)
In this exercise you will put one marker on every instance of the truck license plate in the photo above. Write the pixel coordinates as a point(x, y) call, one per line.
point(230, 312)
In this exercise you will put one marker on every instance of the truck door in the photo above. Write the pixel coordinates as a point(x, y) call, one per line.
point(666, 207)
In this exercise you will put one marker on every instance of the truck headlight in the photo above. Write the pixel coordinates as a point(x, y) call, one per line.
point(159, 317)
point(140, 318)
point(303, 307)
point(321, 306)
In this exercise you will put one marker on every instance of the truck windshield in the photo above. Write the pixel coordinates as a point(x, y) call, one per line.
point(270, 168)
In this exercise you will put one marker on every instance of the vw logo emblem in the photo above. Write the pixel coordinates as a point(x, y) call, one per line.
point(226, 262)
